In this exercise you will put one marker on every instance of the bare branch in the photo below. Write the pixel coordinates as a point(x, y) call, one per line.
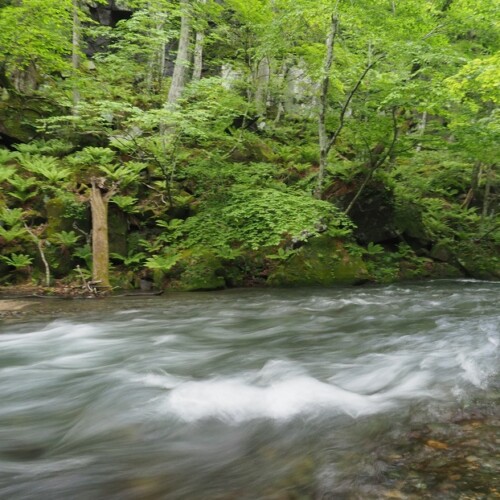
point(39, 244)
point(379, 162)
point(343, 111)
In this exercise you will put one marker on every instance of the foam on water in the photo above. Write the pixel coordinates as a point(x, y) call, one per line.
point(235, 401)
point(218, 383)
point(239, 399)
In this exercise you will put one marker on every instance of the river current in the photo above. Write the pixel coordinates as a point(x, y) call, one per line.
point(242, 394)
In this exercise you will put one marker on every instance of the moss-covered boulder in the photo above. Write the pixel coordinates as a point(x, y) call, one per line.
point(117, 231)
point(425, 268)
point(479, 264)
point(478, 261)
point(201, 271)
point(322, 261)
point(59, 217)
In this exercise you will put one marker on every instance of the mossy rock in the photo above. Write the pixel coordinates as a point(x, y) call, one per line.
point(425, 268)
point(323, 261)
point(12, 126)
point(442, 252)
point(59, 216)
point(473, 259)
point(117, 231)
point(202, 271)
point(408, 220)
point(481, 267)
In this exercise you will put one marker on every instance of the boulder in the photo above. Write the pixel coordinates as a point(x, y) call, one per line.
point(322, 261)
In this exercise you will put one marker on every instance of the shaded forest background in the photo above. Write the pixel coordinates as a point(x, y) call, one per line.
point(257, 142)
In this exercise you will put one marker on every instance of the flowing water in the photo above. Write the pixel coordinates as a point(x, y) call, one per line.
point(274, 394)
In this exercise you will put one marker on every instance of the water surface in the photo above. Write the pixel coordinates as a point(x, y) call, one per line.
point(237, 394)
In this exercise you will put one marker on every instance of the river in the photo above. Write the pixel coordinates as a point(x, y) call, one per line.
point(254, 394)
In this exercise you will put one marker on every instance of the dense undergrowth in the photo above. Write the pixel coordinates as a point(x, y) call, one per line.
point(220, 187)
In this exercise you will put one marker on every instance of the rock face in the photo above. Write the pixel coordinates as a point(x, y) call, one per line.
point(374, 212)
point(16, 113)
point(373, 215)
point(323, 261)
point(112, 12)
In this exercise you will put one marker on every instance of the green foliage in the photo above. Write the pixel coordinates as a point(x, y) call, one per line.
point(6, 173)
point(263, 218)
point(5, 156)
point(36, 32)
point(65, 239)
point(11, 216)
point(281, 254)
point(92, 157)
point(374, 249)
point(84, 253)
point(47, 167)
point(126, 203)
point(226, 174)
point(134, 260)
point(125, 174)
point(18, 261)
point(45, 147)
point(163, 262)
point(12, 234)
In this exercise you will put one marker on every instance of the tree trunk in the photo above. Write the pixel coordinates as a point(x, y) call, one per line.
point(421, 130)
point(156, 65)
point(474, 185)
point(75, 55)
point(487, 193)
point(323, 106)
point(99, 200)
point(263, 76)
point(182, 59)
point(198, 55)
point(198, 50)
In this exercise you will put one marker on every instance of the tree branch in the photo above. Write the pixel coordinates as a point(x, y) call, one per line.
point(378, 163)
point(343, 111)
point(39, 244)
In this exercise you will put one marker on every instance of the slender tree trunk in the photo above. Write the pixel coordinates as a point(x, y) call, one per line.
point(198, 55)
point(99, 200)
point(156, 64)
point(323, 106)
point(39, 244)
point(262, 85)
point(75, 55)
point(421, 129)
point(198, 50)
point(487, 193)
point(472, 193)
point(179, 76)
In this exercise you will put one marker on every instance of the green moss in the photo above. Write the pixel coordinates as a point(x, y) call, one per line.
point(424, 268)
point(117, 230)
point(323, 261)
point(56, 209)
point(203, 271)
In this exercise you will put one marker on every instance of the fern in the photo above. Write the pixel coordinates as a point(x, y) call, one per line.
point(5, 172)
point(12, 234)
point(11, 216)
point(17, 260)
point(125, 203)
point(162, 262)
point(66, 239)
point(24, 188)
